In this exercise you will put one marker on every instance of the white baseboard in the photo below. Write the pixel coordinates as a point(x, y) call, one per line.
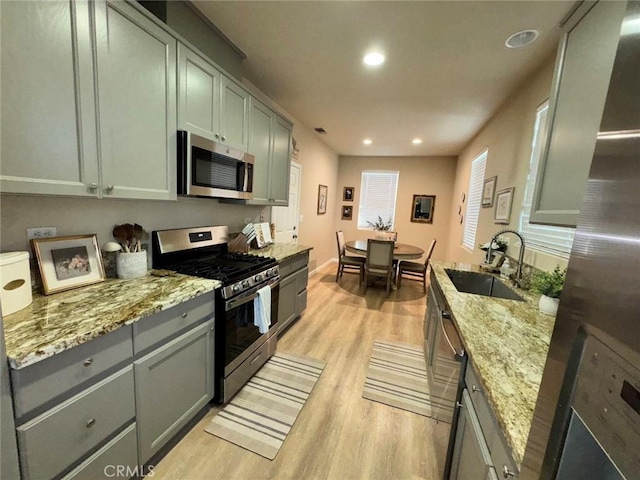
point(317, 269)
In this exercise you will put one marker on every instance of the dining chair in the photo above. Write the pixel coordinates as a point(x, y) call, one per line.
point(379, 262)
point(347, 261)
point(416, 270)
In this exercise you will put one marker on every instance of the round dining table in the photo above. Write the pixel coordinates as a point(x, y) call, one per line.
point(402, 251)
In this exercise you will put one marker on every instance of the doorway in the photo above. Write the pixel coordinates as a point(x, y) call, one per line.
point(287, 218)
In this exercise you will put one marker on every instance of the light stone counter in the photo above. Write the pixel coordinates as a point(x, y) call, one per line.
point(55, 323)
point(280, 251)
point(508, 342)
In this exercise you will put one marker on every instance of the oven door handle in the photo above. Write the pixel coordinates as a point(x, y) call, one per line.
point(455, 352)
point(248, 297)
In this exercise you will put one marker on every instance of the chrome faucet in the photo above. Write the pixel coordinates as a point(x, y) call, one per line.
point(520, 257)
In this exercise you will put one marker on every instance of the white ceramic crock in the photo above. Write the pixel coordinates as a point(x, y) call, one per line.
point(132, 264)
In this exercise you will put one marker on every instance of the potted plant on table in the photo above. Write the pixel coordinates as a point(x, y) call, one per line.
point(382, 228)
point(550, 286)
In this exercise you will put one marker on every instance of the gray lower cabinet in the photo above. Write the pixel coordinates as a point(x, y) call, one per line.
point(480, 450)
point(471, 458)
point(294, 277)
point(173, 383)
point(52, 441)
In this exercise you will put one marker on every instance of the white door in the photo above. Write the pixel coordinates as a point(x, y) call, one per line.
point(286, 218)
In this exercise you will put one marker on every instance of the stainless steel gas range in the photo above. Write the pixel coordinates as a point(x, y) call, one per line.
point(240, 348)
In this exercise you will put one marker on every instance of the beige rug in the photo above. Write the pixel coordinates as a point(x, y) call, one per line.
point(397, 377)
point(262, 413)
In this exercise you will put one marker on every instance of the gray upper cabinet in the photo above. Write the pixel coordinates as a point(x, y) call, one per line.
point(270, 143)
point(210, 104)
point(48, 111)
point(68, 129)
point(136, 62)
point(583, 70)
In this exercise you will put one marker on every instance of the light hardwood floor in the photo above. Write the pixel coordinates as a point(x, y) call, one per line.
point(339, 434)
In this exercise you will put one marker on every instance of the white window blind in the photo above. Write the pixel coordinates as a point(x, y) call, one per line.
point(549, 239)
point(378, 192)
point(474, 199)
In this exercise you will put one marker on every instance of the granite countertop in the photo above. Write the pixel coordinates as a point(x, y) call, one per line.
point(55, 323)
point(508, 342)
point(280, 251)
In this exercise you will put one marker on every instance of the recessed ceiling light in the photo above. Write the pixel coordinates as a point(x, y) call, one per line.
point(521, 39)
point(367, 141)
point(373, 59)
point(416, 141)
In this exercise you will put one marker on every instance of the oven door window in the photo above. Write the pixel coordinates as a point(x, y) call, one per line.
point(241, 331)
point(217, 171)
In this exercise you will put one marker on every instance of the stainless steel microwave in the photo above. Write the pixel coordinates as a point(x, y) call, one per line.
point(210, 169)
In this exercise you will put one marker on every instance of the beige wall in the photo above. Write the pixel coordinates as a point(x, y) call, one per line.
point(319, 167)
point(507, 135)
point(418, 175)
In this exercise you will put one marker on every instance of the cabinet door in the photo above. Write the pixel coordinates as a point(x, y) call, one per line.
point(583, 69)
point(280, 162)
point(199, 95)
point(260, 143)
point(234, 115)
point(471, 458)
point(172, 384)
point(137, 92)
point(48, 130)
point(287, 304)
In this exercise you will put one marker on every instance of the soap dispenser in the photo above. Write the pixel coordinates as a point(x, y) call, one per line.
point(505, 269)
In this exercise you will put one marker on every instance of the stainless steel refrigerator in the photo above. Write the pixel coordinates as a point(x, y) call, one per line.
point(587, 418)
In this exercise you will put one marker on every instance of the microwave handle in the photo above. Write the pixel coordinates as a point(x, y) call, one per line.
point(241, 184)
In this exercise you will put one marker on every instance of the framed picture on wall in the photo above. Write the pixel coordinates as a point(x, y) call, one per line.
point(488, 191)
point(347, 194)
point(323, 190)
point(504, 199)
point(422, 208)
point(347, 212)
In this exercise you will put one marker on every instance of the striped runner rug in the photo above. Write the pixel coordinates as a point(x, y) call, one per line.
point(397, 377)
point(262, 413)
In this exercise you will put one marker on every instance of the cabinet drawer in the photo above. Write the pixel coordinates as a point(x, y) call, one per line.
point(56, 439)
point(476, 392)
point(290, 265)
point(163, 326)
point(118, 458)
point(40, 384)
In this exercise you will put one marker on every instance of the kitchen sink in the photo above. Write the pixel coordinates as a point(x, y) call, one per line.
point(481, 284)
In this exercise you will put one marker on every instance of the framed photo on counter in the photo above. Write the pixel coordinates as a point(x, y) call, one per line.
point(68, 262)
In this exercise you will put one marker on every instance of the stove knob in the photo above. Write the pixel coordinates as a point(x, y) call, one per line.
point(236, 288)
point(245, 283)
point(257, 278)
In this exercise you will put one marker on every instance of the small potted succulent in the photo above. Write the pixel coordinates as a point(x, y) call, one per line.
point(382, 228)
point(549, 284)
point(132, 261)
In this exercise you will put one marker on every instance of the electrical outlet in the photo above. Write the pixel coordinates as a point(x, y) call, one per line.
point(41, 232)
point(247, 220)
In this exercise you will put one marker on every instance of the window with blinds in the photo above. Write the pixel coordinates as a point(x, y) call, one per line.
point(474, 199)
point(554, 240)
point(378, 192)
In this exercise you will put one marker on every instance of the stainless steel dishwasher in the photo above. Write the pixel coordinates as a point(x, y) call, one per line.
point(443, 353)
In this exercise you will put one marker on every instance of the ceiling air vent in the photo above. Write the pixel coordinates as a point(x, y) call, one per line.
point(320, 130)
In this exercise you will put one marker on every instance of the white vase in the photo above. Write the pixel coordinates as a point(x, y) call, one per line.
point(548, 305)
point(132, 264)
point(381, 235)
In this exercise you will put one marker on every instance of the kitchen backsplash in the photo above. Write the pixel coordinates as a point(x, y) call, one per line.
point(72, 216)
